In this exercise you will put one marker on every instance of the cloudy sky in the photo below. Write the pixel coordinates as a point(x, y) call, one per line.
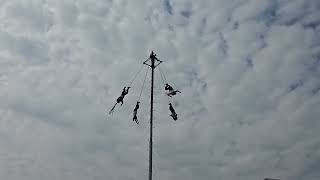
point(248, 71)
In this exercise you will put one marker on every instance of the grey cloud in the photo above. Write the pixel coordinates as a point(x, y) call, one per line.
point(248, 72)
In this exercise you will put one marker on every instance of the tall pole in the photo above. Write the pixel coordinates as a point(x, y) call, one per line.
point(153, 65)
point(151, 119)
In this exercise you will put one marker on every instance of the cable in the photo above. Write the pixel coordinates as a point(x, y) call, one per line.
point(145, 76)
point(176, 87)
point(164, 84)
point(163, 75)
point(135, 76)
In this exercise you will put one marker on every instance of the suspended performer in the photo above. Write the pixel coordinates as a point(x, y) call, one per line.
point(168, 87)
point(171, 92)
point(124, 92)
point(173, 112)
point(135, 113)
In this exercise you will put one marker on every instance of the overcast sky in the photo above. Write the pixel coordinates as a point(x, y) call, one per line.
point(249, 72)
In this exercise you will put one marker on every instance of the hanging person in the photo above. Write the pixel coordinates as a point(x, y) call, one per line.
point(173, 112)
point(171, 92)
point(124, 92)
point(135, 113)
point(120, 99)
point(168, 87)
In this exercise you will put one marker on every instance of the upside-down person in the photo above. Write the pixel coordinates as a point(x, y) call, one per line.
point(173, 112)
point(124, 92)
point(135, 113)
point(171, 91)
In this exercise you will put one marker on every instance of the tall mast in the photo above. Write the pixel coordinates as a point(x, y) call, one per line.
point(151, 120)
point(153, 65)
point(152, 62)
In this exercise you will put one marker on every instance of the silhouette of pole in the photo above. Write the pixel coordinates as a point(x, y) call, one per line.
point(151, 119)
point(153, 65)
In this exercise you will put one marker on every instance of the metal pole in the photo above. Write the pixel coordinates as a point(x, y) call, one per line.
point(151, 119)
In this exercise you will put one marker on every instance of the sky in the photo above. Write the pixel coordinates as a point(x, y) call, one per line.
point(248, 71)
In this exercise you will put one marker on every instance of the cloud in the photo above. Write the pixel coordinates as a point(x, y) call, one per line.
point(248, 72)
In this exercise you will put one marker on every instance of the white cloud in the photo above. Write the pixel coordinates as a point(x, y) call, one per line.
point(248, 72)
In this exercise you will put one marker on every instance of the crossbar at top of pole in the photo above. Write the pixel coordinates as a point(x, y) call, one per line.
point(153, 65)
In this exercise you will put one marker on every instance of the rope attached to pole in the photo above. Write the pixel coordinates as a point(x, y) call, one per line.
point(135, 76)
point(164, 83)
point(167, 80)
point(145, 77)
point(163, 75)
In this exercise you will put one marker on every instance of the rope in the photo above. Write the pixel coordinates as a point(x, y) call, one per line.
point(176, 87)
point(135, 76)
point(145, 76)
point(163, 75)
point(112, 109)
point(164, 84)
